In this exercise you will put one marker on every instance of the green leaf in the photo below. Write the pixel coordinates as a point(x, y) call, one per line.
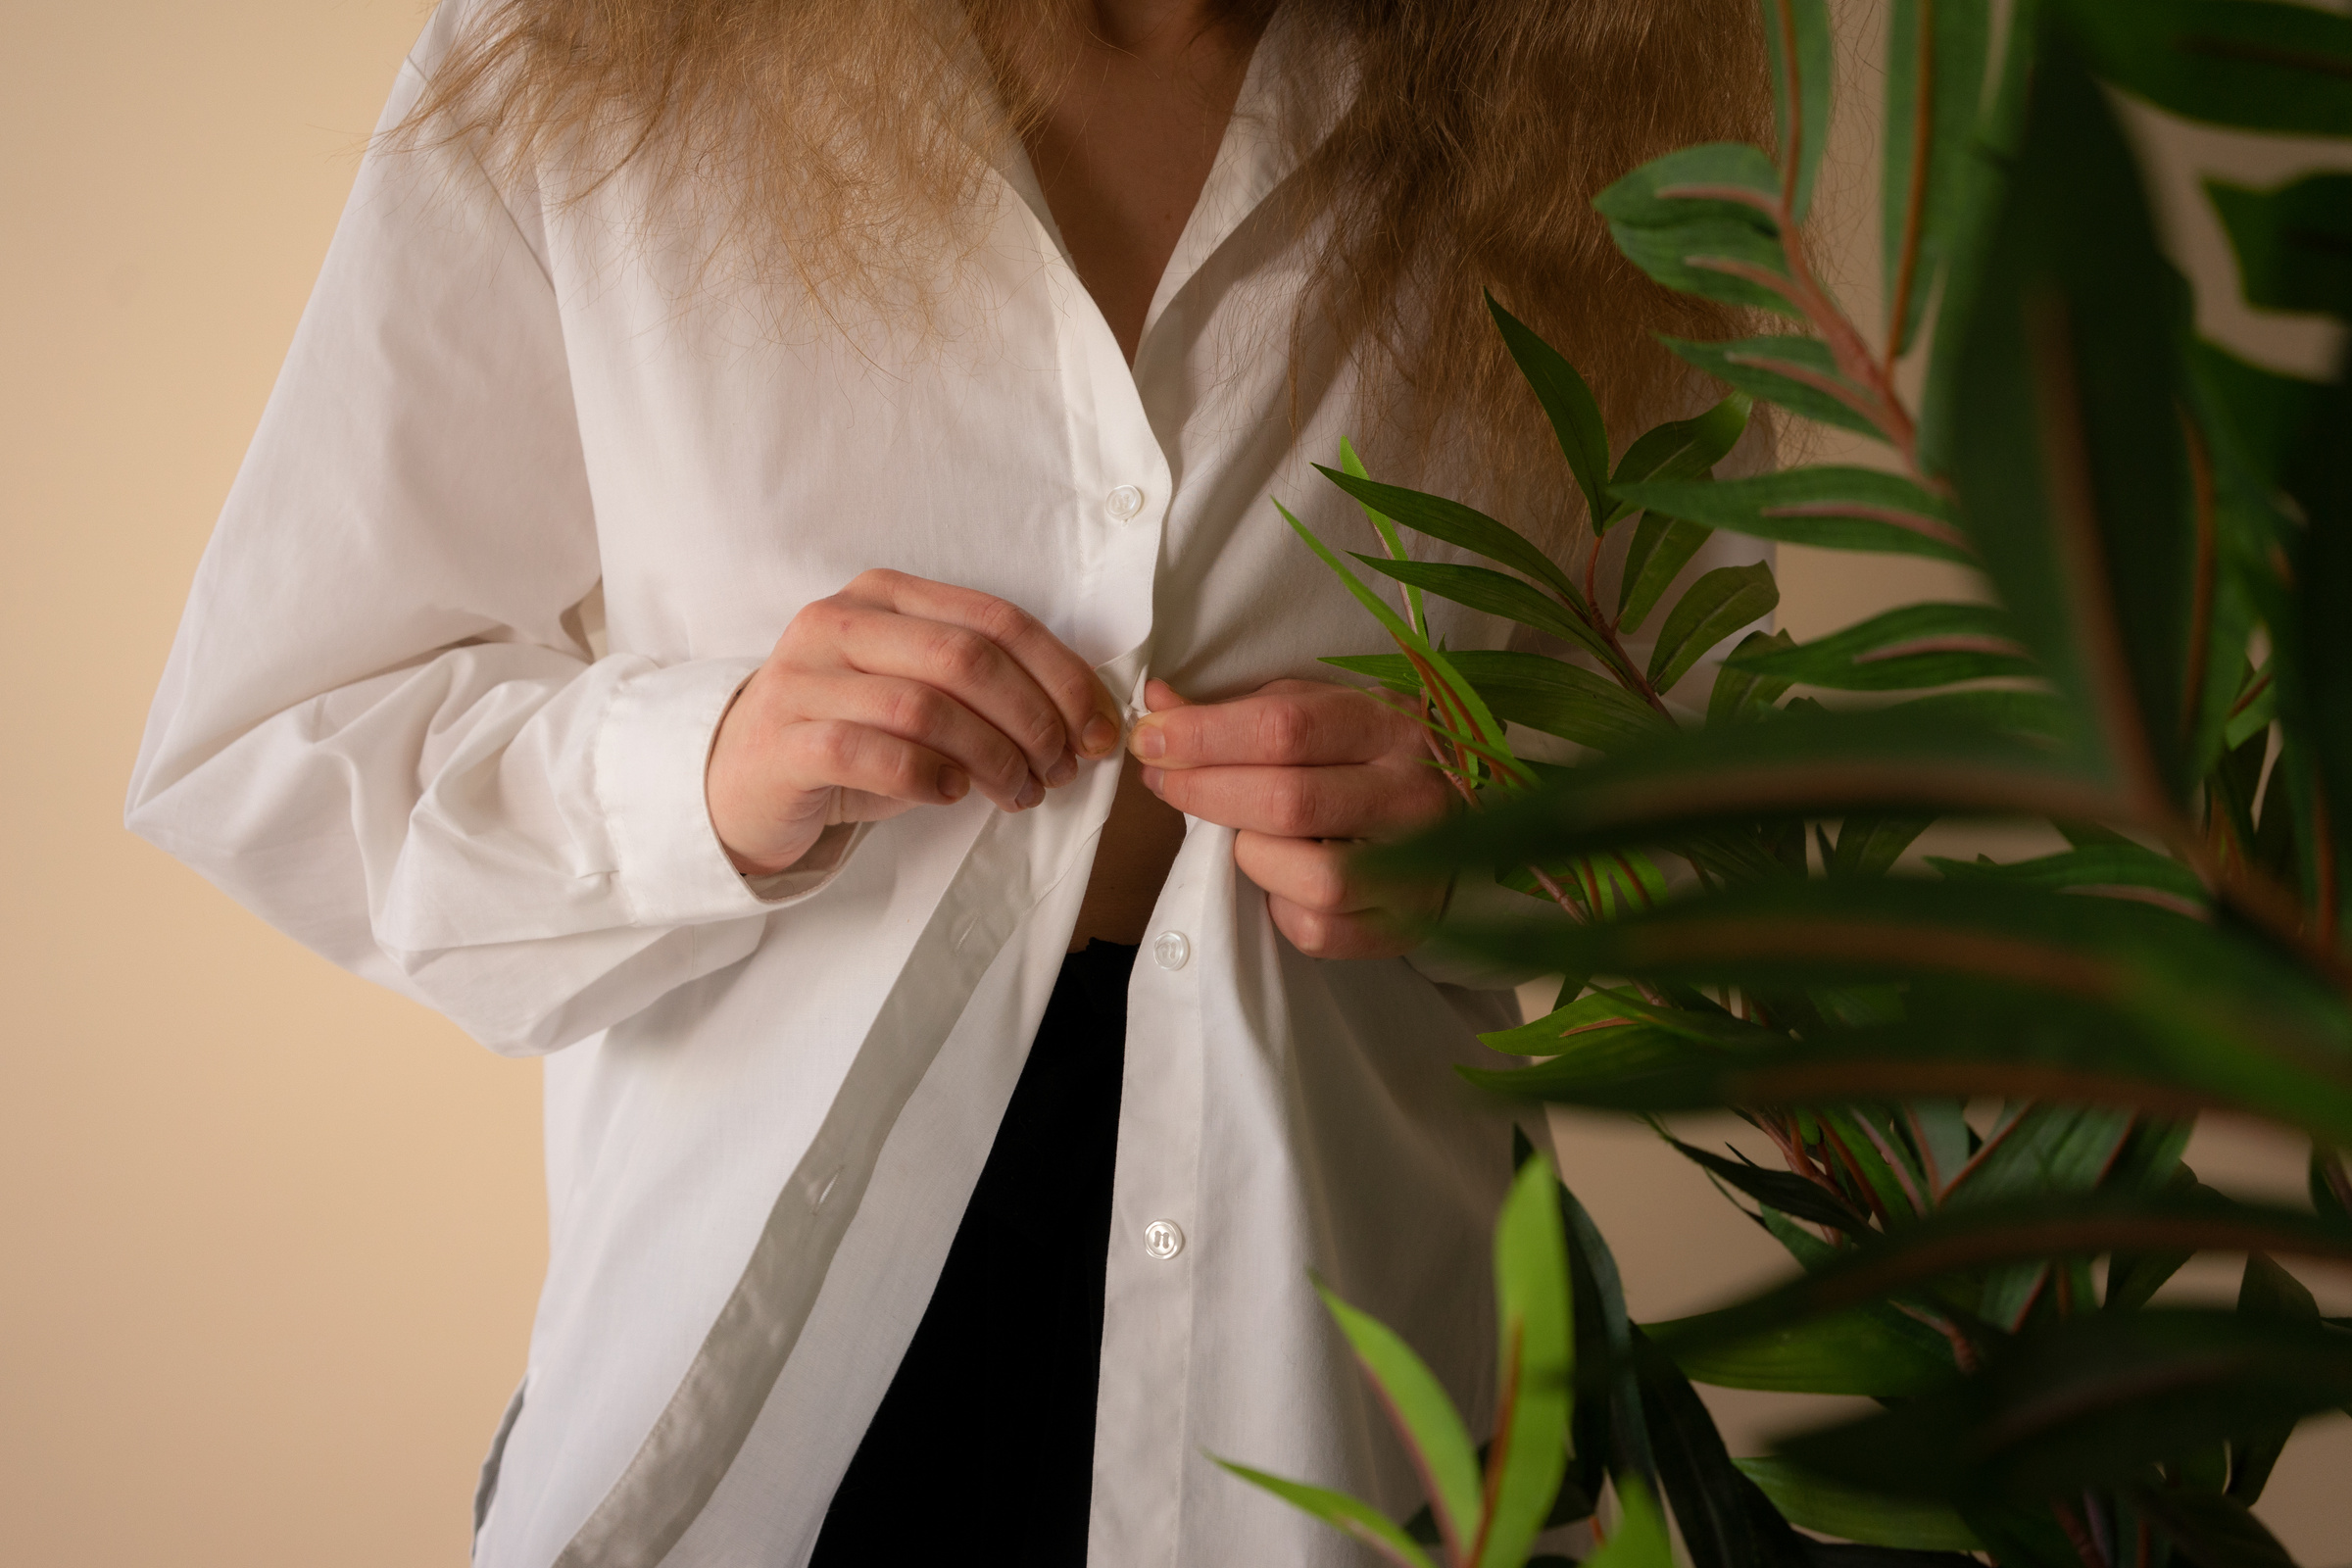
point(2089, 1403)
point(1609, 1429)
point(1489, 730)
point(1683, 449)
point(1640, 1540)
point(2330, 1187)
point(2256, 709)
point(2014, 713)
point(2263, 414)
point(1353, 466)
point(2046, 1148)
point(1341, 1512)
point(1740, 692)
point(1801, 50)
point(1783, 1190)
point(1536, 1348)
point(2293, 241)
point(2068, 448)
point(1542, 693)
point(1872, 1351)
point(1494, 593)
point(1809, 1251)
point(1892, 1184)
point(1905, 649)
point(1716, 605)
point(1951, 1245)
point(2020, 1535)
point(2135, 1277)
point(2313, 653)
point(1662, 547)
point(1939, 1129)
point(1701, 220)
point(2250, 64)
point(2265, 1290)
point(1392, 671)
point(1819, 765)
point(2217, 1532)
point(2013, 992)
point(1466, 526)
point(2099, 866)
point(1934, 79)
point(1725, 1520)
point(1812, 1502)
point(1833, 508)
point(1870, 843)
point(1568, 403)
point(1798, 373)
point(1424, 1417)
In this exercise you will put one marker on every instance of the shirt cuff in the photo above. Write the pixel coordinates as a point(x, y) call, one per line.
point(650, 756)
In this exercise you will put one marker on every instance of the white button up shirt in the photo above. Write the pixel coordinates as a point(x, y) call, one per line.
point(386, 727)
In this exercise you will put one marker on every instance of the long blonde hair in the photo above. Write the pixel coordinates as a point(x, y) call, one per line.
point(837, 144)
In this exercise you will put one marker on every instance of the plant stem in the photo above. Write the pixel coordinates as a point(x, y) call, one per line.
point(1915, 206)
point(2079, 1535)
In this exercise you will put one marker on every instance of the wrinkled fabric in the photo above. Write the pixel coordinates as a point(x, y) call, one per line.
point(391, 726)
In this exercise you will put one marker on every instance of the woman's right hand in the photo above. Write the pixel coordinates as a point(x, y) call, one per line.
point(894, 693)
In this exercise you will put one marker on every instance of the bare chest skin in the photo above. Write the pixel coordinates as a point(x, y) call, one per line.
point(1138, 109)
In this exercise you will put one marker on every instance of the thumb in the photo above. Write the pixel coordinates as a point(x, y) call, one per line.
point(1159, 697)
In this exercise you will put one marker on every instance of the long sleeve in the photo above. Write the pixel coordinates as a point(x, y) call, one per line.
point(378, 729)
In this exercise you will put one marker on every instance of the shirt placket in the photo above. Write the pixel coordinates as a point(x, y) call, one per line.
point(1143, 1417)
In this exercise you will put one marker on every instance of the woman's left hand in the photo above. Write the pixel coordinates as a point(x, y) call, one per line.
point(1305, 773)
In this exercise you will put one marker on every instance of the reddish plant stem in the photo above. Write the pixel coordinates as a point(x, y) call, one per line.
point(1793, 1154)
point(1964, 1350)
point(1792, 101)
point(1923, 127)
point(2079, 1533)
point(2201, 619)
point(1853, 1168)
point(1902, 1173)
point(1499, 1455)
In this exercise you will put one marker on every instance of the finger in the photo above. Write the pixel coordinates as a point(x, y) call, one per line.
point(930, 718)
point(1159, 696)
point(1090, 716)
point(1350, 801)
point(1290, 723)
point(1312, 873)
point(855, 756)
point(960, 664)
point(1319, 935)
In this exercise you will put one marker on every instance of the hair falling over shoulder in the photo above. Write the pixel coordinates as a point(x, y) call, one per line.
point(837, 146)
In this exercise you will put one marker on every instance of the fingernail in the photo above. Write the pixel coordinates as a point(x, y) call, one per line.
point(1064, 769)
point(953, 783)
point(1152, 777)
point(1032, 792)
point(1148, 741)
point(1098, 736)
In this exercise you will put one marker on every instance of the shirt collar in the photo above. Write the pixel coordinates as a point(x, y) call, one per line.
point(1258, 151)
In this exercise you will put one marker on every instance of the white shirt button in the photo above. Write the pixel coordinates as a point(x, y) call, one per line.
point(1162, 1240)
point(1124, 502)
point(1171, 950)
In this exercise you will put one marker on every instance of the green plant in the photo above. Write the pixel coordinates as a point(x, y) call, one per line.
point(2160, 668)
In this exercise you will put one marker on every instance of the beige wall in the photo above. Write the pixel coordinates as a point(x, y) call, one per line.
point(269, 1238)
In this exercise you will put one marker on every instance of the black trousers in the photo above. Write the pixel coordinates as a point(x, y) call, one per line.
point(988, 1425)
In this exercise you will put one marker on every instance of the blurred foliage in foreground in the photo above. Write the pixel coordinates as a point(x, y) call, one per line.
point(2160, 668)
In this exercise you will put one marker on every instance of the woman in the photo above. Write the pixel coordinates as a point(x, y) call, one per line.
point(749, 473)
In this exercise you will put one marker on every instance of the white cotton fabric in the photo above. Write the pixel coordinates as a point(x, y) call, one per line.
point(386, 728)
